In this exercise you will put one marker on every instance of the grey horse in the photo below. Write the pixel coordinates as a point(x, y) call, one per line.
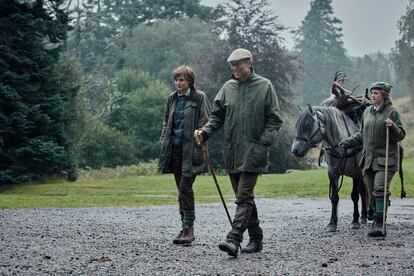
point(328, 126)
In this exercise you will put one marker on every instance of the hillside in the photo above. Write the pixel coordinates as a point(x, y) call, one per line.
point(406, 108)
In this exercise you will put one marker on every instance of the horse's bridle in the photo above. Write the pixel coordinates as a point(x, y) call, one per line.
point(309, 141)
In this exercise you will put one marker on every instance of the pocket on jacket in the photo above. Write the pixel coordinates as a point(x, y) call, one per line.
point(198, 157)
point(391, 161)
point(260, 155)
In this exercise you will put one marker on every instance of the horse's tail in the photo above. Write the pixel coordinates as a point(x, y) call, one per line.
point(400, 170)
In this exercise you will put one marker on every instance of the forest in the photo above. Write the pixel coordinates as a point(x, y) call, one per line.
point(84, 84)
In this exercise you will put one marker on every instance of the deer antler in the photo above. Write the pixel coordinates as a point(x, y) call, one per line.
point(353, 89)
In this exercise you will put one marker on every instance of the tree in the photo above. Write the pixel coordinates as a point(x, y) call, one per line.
point(139, 115)
point(173, 46)
point(103, 30)
point(104, 146)
point(35, 101)
point(249, 24)
point(320, 49)
point(403, 53)
point(369, 69)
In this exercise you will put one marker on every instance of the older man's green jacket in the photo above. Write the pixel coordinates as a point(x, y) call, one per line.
point(249, 112)
point(372, 137)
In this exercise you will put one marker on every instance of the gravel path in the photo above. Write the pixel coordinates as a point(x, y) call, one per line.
point(138, 241)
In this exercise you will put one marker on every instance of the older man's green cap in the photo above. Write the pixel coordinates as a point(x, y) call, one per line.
point(239, 54)
point(381, 85)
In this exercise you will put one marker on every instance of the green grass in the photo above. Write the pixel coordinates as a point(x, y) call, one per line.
point(161, 190)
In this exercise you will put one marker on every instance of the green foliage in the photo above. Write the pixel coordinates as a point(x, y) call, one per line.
point(161, 47)
point(320, 49)
point(403, 54)
point(132, 13)
point(104, 146)
point(35, 111)
point(372, 68)
point(101, 27)
point(140, 113)
point(249, 24)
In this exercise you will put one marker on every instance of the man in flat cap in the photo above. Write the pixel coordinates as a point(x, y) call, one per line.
point(248, 108)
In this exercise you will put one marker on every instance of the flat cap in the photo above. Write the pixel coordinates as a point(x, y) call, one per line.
point(381, 85)
point(239, 54)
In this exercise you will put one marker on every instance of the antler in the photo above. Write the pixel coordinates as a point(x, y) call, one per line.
point(355, 87)
point(337, 87)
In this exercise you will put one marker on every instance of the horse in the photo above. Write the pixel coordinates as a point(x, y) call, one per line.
point(329, 125)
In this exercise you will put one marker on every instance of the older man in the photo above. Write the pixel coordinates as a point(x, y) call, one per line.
point(248, 108)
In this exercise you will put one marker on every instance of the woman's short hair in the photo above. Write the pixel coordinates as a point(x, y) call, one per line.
point(385, 95)
point(186, 72)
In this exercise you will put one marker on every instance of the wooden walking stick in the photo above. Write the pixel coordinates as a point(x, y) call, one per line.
point(387, 138)
point(211, 169)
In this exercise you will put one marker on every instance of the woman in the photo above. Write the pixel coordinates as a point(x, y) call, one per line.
point(372, 137)
point(187, 110)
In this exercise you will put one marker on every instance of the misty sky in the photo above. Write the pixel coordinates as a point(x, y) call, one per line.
point(368, 26)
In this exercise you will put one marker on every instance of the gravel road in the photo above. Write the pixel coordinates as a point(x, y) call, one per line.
point(138, 241)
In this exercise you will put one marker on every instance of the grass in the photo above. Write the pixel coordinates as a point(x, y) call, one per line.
point(161, 190)
point(114, 187)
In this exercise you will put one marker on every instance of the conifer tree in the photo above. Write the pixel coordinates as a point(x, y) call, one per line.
point(35, 112)
point(403, 54)
point(320, 49)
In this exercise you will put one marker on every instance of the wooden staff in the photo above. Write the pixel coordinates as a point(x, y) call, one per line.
point(387, 138)
point(210, 167)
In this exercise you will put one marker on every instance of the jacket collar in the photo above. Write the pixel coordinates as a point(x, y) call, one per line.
point(191, 96)
point(382, 107)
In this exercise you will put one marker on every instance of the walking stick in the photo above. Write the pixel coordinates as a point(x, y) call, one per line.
point(210, 167)
point(387, 138)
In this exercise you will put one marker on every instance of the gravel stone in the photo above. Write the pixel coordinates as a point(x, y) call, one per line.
point(138, 241)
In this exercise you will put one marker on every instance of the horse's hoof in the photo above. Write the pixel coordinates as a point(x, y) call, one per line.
point(331, 227)
point(363, 220)
point(355, 225)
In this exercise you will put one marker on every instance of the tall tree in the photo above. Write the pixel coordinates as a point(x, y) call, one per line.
point(251, 24)
point(371, 68)
point(403, 53)
point(173, 43)
point(35, 101)
point(320, 49)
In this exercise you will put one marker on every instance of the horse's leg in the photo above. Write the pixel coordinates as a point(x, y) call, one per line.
point(355, 197)
point(333, 183)
point(364, 200)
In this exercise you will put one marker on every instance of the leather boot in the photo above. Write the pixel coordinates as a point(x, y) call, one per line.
point(252, 246)
point(377, 226)
point(240, 222)
point(231, 247)
point(255, 233)
point(177, 239)
point(188, 234)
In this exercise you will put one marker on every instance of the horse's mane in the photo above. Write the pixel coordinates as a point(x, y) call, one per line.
point(333, 121)
point(337, 124)
point(304, 124)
